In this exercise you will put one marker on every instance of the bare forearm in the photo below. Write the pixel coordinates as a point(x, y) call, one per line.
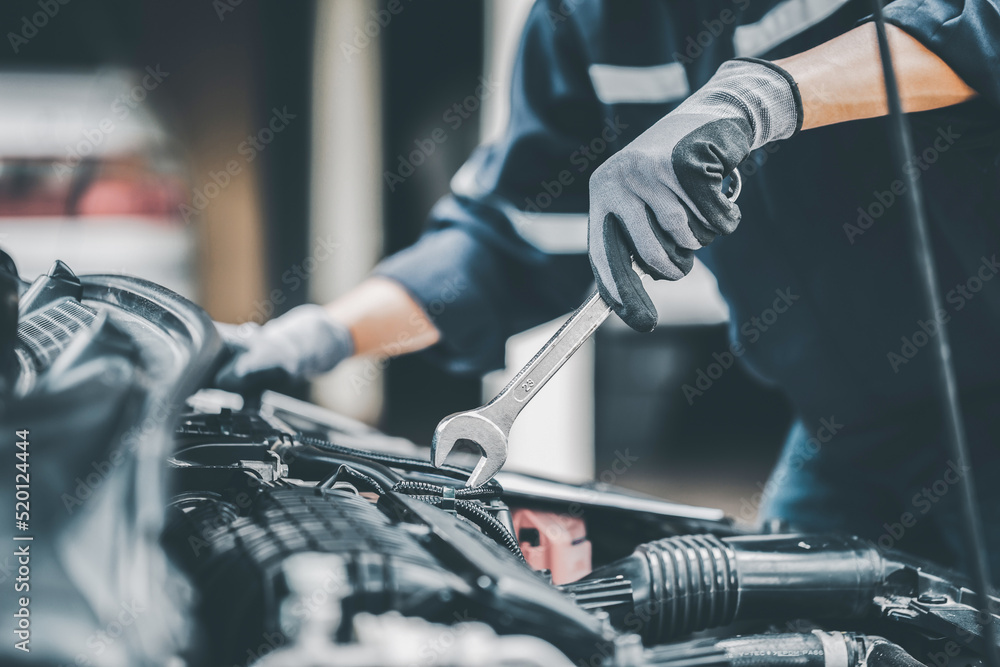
point(384, 319)
point(841, 80)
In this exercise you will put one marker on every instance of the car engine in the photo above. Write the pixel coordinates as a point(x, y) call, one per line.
point(171, 524)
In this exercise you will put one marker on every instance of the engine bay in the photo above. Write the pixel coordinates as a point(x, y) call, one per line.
point(274, 532)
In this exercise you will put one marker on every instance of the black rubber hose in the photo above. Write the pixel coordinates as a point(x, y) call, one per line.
point(777, 650)
point(694, 582)
point(972, 528)
point(812, 649)
point(886, 654)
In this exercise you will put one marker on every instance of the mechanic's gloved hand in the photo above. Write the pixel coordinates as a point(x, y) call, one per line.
point(299, 345)
point(661, 197)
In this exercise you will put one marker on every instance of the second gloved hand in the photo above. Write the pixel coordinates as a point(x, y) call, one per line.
point(299, 345)
point(660, 198)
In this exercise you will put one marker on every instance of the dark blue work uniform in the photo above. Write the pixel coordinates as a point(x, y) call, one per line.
point(821, 219)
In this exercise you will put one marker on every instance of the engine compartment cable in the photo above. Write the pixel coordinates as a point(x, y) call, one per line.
point(465, 504)
point(489, 524)
point(972, 530)
point(392, 460)
point(466, 501)
point(356, 477)
point(414, 488)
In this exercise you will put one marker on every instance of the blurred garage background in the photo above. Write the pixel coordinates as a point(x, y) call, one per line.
point(237, 151)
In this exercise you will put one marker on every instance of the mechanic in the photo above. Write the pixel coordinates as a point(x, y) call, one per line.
point(603, 120)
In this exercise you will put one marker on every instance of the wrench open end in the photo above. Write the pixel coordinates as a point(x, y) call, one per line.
point(491, 441)
point(489, 425)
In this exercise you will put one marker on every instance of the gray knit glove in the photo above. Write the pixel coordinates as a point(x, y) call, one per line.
point(661, 197)
point(299, 345)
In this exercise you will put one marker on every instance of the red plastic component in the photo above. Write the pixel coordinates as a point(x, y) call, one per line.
point(554, 542)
